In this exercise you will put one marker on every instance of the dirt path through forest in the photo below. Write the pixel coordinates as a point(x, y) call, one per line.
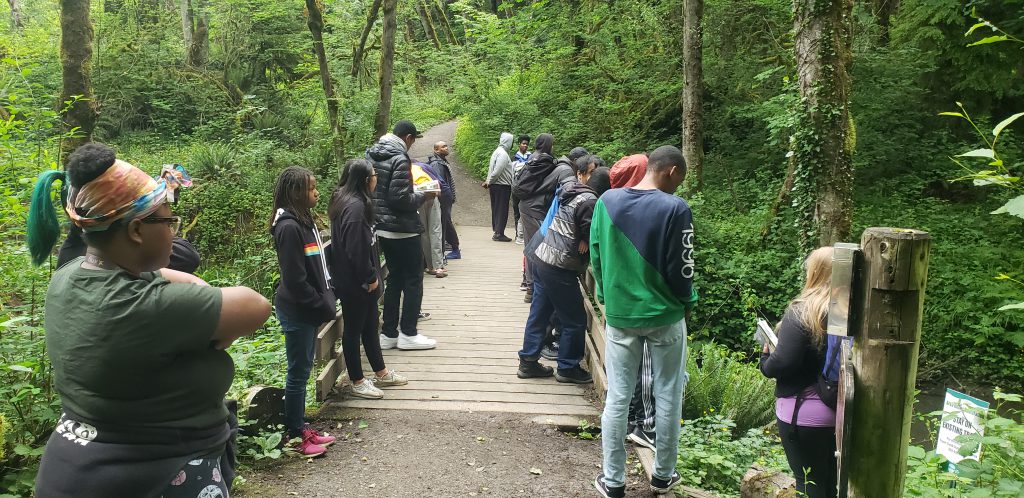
point(472, 204)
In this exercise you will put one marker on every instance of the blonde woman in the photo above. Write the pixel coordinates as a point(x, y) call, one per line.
point(806, 424)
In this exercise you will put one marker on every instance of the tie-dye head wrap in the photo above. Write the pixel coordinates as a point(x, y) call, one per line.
point(121, 192)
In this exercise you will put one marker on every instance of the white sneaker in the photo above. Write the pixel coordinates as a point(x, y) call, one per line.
point(367, 390)
point(391, 379)
point(414, 342)
point(387, 342)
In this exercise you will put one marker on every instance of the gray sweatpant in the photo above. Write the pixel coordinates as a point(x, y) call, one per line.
point(433, 251)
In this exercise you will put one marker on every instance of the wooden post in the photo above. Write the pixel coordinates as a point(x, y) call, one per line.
point(886, 344)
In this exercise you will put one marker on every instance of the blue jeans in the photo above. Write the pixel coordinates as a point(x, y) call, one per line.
point(299, 344)
point(556, 291)
point(624, 349)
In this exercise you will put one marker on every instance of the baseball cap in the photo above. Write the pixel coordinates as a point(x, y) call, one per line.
point(405, 127)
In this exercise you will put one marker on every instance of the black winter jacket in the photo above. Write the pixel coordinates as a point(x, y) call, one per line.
point(304, 291)
point(796, 363)
point(394, 202)
point(541, 177)
point(353, 258)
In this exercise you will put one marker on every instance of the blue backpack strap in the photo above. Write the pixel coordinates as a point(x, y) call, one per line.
point(552, 211)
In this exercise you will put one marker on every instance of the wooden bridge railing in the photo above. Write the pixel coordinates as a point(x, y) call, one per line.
point(595, 331)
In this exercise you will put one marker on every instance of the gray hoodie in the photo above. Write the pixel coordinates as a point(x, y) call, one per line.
point(499, 170)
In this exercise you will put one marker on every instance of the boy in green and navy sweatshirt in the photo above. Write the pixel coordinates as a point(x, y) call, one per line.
point(641, 246)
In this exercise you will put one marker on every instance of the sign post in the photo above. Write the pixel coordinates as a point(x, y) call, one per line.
point(961, 415)
point(886, 343)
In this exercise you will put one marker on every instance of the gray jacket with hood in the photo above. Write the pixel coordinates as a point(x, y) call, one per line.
point(499, 169)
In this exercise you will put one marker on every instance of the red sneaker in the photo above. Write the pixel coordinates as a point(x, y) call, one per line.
point(316, 438)
point(307, 448)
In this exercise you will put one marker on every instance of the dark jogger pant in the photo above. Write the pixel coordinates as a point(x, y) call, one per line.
point(405, 285)
point(641, 408)
point(531, 226)
point(448, 233)
point(500, 196)
point(361, 320)
point(811, 452)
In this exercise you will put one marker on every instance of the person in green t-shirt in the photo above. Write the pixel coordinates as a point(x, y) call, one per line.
point(137, 350)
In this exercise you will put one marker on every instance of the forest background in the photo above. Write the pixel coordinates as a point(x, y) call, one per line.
point(233, 89)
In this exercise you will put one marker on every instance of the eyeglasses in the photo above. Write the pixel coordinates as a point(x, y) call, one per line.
point(173, 222)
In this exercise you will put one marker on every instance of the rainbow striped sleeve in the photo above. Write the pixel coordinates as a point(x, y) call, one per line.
point(312, 249)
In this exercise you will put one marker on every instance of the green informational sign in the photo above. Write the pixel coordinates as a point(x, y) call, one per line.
point(961, 415)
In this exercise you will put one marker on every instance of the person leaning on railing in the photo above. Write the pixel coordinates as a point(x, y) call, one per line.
point(137, 350)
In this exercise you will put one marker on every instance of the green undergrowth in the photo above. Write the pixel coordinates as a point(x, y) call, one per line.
point(714, 454)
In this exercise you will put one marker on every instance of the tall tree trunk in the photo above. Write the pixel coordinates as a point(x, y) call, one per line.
point(371, 18)
point(387, 64)
point(315, 21)
point(825, 138)
point(200, 48)
point(17, 16)
point(445, 25)
point(428, 23)
point(81, 110)
point(186, 28)
point(693, 91)
point(883, 11)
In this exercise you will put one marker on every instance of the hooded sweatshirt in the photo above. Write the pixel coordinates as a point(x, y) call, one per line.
point(571, 225)
point(354, 261)
point(394, 201)
point(499, 169)
point(304, 291)
point(628, 171)
point(541, 177)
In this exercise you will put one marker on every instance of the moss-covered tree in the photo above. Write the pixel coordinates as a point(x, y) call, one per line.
point(825, 137)
point(693, 91)
point(315, 21)
point(387, 65)
point(80, 108)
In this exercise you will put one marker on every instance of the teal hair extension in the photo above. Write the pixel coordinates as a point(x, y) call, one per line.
point(43, 228)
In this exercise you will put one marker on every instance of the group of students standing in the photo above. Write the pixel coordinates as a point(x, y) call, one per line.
point(375, 202)
point(138, 349)
point(638, 235)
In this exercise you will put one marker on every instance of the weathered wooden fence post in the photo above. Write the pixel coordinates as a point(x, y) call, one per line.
point(887, 341)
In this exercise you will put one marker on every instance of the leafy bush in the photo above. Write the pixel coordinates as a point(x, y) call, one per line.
point(723, 384)
point(714, 454)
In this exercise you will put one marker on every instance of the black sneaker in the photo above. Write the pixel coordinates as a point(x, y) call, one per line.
point(549, 352)
point(607, 491)
point(574, 375)
point(642, 438)
point(501, 238)
point(423, 317)
point(533, 370)
point(661, 486)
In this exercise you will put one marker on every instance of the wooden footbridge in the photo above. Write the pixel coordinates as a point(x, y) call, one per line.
point(477, 316)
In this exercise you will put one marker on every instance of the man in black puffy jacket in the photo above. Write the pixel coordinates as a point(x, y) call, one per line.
point(398, 228)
